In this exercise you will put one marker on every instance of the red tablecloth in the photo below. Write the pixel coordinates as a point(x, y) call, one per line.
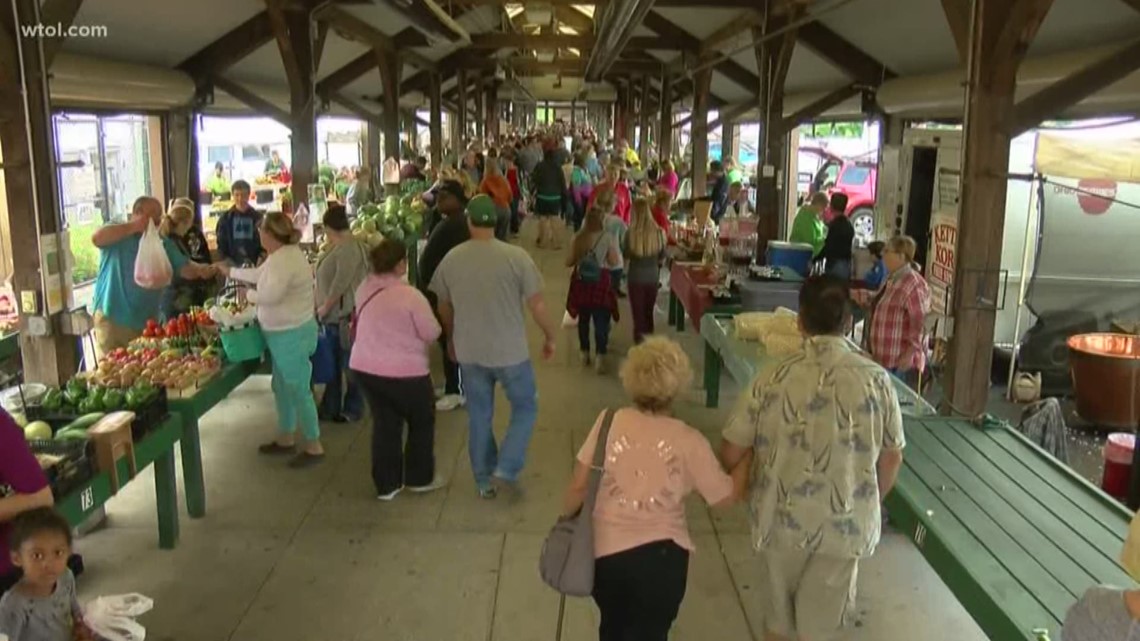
point(685, 281)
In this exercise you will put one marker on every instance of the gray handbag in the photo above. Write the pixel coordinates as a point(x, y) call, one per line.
point(567, 559)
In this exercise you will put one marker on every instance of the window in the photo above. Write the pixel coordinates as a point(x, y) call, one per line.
point(854, 175)
point(223, 155)
point(105, 164)
point(255, 152)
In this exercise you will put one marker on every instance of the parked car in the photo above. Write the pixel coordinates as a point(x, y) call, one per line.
point(856, 180)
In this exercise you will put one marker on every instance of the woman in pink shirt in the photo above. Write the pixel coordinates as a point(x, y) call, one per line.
point(653, 461)
point(394, 327)
point(668, 180)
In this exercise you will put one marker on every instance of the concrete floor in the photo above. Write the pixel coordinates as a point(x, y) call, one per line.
point(287, 555)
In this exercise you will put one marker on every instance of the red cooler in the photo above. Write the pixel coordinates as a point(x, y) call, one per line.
point(1118, 464)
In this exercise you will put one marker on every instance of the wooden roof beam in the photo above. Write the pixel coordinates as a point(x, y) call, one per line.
point(499, 40)
point(703, 4)
point(729, 114)
point(740, 24)
point(235, 44)
point(731, 69)
point(852, 60)
point(573, 18)
point(363, 63)
point(354, 28)
point(294, 74)
point(817, 107)
point(958, 18)
point(1068, 91)
point(252, 100)
point(57, 12)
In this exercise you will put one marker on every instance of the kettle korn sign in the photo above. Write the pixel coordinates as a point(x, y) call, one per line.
point(943, 259)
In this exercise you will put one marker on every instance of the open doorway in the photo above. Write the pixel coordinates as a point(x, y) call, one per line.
point(920, 199)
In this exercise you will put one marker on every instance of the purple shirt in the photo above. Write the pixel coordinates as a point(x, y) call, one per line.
point(393, 329)
point(20, 473)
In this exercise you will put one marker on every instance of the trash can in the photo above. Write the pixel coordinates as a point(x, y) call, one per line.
point(1118, 464)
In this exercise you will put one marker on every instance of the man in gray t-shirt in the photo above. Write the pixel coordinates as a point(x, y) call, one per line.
point(483, 285)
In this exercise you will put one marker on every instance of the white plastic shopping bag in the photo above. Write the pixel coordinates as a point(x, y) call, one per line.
point(113, 617)
point(152, 266)
point(568, 320)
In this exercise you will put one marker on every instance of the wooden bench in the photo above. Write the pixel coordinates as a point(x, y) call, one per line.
point(1017, 536)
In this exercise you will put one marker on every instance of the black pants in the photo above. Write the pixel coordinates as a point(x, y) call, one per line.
point(450, 367)
point(395, 402)
point(639, 591)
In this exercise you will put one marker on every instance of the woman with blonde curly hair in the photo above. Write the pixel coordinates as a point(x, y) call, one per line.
point(653, 462)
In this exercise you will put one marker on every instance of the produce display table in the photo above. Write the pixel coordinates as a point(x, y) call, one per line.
point(9, 345)
point(745, 359)
point(190, 409)
point(1016, 535)
point(689, 295)
point(157, 448)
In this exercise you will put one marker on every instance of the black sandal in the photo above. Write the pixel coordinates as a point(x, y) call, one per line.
point(273, 447)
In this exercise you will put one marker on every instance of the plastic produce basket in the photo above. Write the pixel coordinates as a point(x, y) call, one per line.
point(245, 343)
point(147, 417)
point(76, 468)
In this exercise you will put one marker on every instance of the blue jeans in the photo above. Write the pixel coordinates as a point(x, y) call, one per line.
point(839, 268)
point(291, 350)
point(342, 395)
point(487, 457)
point(601, 318)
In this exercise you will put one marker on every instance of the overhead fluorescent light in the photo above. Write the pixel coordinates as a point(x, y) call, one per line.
point(514, 10)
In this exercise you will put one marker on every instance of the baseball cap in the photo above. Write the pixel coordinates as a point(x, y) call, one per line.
point(481, 211)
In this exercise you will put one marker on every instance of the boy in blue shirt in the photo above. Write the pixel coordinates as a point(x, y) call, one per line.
point(238, 241)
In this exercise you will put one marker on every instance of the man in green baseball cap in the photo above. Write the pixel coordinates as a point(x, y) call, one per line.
point(481, 212)
point(482, 286)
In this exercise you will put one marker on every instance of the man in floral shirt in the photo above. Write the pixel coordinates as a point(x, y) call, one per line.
point(827, 434)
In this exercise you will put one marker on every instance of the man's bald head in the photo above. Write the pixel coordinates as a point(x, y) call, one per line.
point(147, 206)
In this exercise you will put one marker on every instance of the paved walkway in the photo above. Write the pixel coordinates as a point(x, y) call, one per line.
point(311, 555)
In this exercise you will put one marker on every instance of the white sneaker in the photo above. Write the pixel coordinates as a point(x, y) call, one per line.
point(450, 402)
point(390, 495)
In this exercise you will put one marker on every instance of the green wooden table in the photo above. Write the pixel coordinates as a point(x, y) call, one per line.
point(191, 409)
point(745, 359)
point(9, 345)
point(1016, 535)
point(156, 448)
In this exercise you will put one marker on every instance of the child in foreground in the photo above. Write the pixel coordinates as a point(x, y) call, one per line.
point(43, 606)
point(1107, 613)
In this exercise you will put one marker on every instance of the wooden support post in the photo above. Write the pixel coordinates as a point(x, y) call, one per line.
point(699, 133)
point(665, 129)
point(436, 107)
point(773, 58)
point(643, 140)
point(491, 106)
point(1000, 33)
point(302, 103)
point(729, 141)
point(461, 116)
point(180, 147)
point(573, 114)
point(480, 110)
point(630, 132)
point(389, 65)
point(31, 179)
point(372, 150)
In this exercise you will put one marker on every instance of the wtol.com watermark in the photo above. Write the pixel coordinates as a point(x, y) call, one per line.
point(60, 30)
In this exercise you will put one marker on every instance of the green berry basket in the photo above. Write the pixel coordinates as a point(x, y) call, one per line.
point(244, 343)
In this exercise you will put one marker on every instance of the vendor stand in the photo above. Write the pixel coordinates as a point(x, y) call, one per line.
point(192, 407)
point(691, 293)
point(155, 448)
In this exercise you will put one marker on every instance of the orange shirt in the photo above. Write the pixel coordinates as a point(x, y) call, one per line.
point(498, 189)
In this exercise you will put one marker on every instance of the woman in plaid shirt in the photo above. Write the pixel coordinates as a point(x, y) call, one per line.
point(898, 312)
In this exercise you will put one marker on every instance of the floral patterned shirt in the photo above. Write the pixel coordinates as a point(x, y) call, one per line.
point(818, 421)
